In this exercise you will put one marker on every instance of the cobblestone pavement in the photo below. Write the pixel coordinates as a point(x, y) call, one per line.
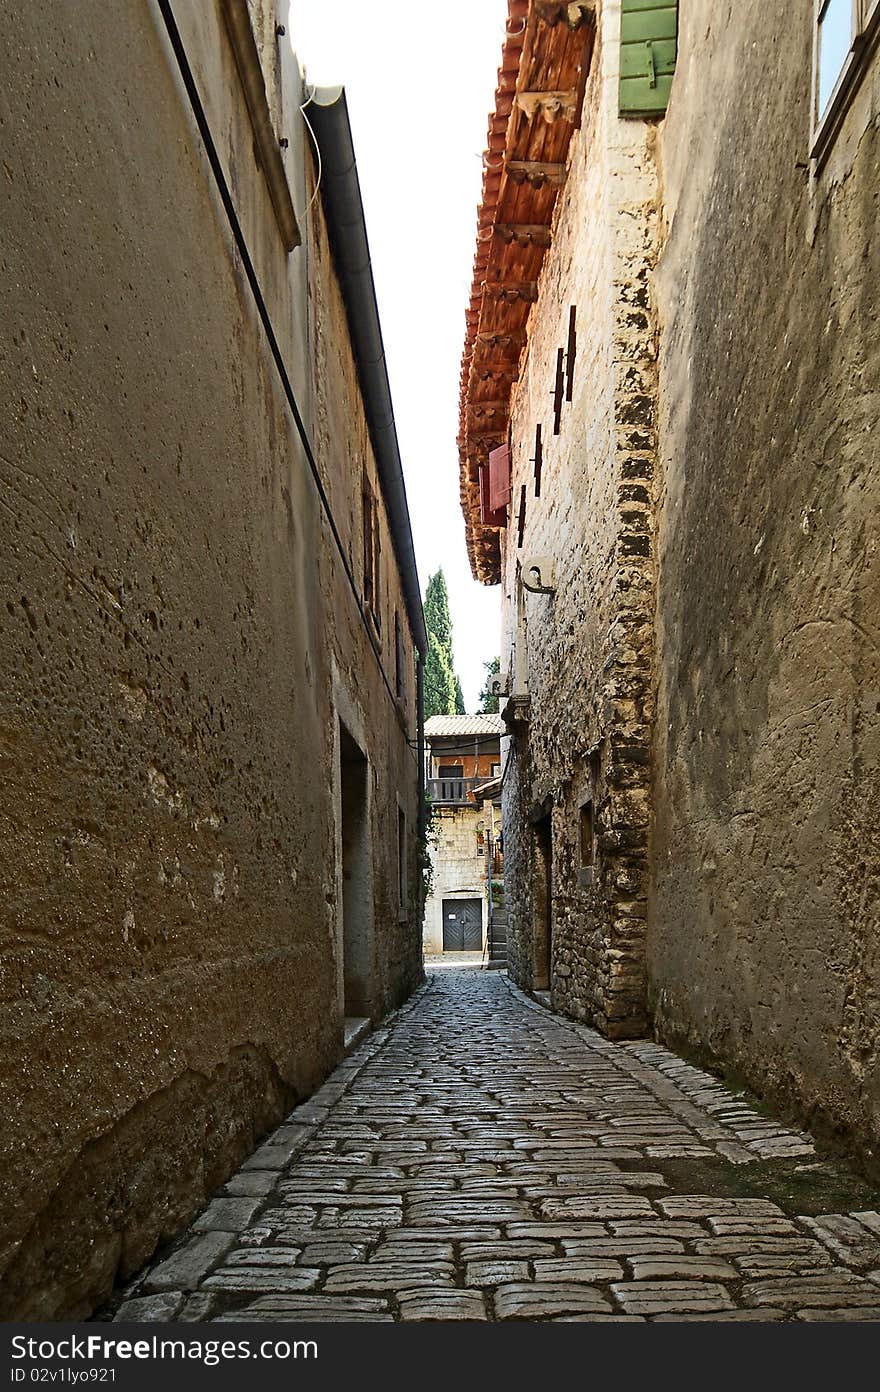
point(482, 1159)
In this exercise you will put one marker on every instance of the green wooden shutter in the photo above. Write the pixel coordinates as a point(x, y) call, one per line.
point(648, 44)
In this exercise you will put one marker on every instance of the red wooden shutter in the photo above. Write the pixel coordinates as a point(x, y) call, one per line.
point(498, 518)
point(499, 478)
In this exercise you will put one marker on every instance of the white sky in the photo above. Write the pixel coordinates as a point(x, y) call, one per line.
point(420, 81)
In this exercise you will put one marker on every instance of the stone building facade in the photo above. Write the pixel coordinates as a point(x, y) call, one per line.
point(463, 766)
point(211, 619)
point(686, 546)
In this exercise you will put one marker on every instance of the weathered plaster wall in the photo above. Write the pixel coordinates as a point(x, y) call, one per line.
point(172, 618)
point(764, 912)
point(459, 871)
point(588, 646)
point(366, 699)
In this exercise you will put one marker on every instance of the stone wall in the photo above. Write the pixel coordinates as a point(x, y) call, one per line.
point(180, 642)
point(588, 647)
point(764, 906)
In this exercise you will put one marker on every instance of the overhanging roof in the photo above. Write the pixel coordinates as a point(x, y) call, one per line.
point(341, 195)
point(544, 66)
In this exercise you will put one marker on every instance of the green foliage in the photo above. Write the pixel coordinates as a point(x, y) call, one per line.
point(427, 844)
point(439, 681)
point(488, 702)
point(459, 696)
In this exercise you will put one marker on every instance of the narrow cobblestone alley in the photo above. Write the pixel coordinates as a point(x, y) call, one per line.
point(480, 1158)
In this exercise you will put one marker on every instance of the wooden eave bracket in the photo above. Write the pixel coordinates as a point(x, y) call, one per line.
point(552, 106)
point(535, 173)
point(523, 233)
point(573, 14)
point(511, 291)
point(268, 152)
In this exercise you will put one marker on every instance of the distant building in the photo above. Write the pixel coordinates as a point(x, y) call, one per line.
point(464, 791)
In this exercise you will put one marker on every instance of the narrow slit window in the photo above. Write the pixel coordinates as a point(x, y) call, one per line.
point(587, 835)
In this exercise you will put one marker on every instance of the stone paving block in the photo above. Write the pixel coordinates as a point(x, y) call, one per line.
point(631, 1179)
point(869, 1220)
point(621, 1247)
point(149, 1308)
point(442, 1305)
point(344, 1218)
point(672, 1297)
point(495, 1273)
point(742, 1244)
point(290, 1135)
point(250, 1184)
point(261, 1256)
point(272, 1157)
point(598, 1319)
point(296, 1236)
point(409, 1187)
point(522, 1249)
point(198, 1308)
point(339, 1198)
point(659, 1228)
point(762, 1315)
point(761, 1227)
point(669, 1152)
point(414, 1252)
point(257, 1235)
point(292, 1215)
point(542, 1300)
point(580, 1269)
point(390, 1276)
point(264, 1279)
point(332, 1253)
point(847, 1238)
point(839, 1316)
point(315, 1309)
point(553, 1231)
point(710, 1206)
point(660, 1268)
point(185, 1268)
point(227, 1215)
point(598, 1206)
point(309, 1112)
point(764, 1265)
point(466, 1211)
point(836, 1289)
point(464, 1233)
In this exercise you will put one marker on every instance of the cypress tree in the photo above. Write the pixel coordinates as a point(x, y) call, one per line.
point(443, 694)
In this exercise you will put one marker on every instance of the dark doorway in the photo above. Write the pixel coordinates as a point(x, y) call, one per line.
point(462, 925)
point(357, 898)
point(542, 904)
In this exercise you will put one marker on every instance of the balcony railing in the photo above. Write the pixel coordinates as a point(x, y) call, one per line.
point(452, 792)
